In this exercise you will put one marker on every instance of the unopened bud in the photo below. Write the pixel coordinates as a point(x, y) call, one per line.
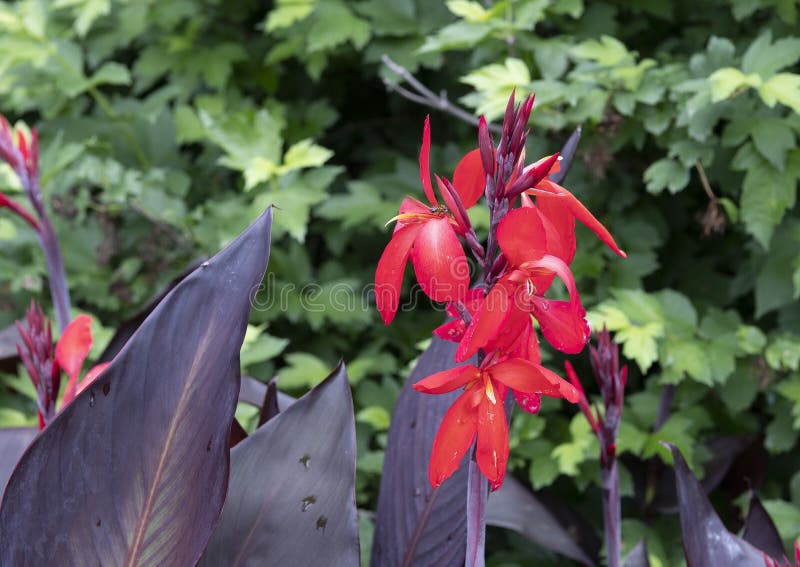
point(486, 145)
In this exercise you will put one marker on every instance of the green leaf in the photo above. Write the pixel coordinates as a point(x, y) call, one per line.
point(583, 445)
point(781, 434)
point(259, 346)
point(335, 24)
point(783, 88)
point(773, 138)
point(304, 153)
point(471, 11)
point(376, 416)
point(287, 12)
point(724, 82)
point(751, 340)
point(783, 352)
point(666, 174)
point(740, 389)
point(774, 283)
point(494, 84)
point(767, 58)
point(681, 358)
point(459, 35)
point(304, 370)
point(361, 205)
point(608, 51)
point(767, 193)
point(640, 343)
point(790, 389)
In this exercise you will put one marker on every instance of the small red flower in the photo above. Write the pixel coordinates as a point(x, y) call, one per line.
point(479, 412)
point(428, 234)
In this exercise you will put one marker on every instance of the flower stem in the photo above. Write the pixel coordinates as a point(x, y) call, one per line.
point(477, 497)
point(612, 513)
point(48, 241)
point(59, 291)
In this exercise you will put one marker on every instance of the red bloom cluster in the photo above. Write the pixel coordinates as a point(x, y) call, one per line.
point(44, 366)
point(530, 243)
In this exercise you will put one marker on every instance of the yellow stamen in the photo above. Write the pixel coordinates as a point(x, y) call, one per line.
point(490, 390)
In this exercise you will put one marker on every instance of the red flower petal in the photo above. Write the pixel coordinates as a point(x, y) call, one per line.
point(389, 273)
point(439, 262)
point(74, 345)
point(451, 331)
point(454, 438)
point(487, 322)
point(447, 380)
point(563, 323)
point(530, 378)
point(469, 178)
point(72, 349)
point(526, 346)
point(492, 449)
point(582, 214)
point(521, 236)
point(425, 162)
point(412, 206)
point(559, 225)
point(92, 375)
point(530, 403)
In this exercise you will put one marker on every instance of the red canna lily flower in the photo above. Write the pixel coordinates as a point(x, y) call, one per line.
point(454, 330)
point(44, 366)
point(523, 239)
point(479, 412)
point(428, 235)
point(72, 349)
point(554, 201)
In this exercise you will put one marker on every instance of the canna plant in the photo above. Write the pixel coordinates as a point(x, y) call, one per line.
point(530, 243)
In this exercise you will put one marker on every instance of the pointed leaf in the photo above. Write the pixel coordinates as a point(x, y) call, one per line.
point(417, 525)
point(134, 470)
point(760, 530)
point(706, 541)
point(516, 508)
point(638, 556)
point(292, 491)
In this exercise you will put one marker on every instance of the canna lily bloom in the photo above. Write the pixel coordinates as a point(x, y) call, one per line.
point(71, 351)
point(454, 330)
point(428, 234)
point(479, 412)
point(523, 239)
point(44, 366)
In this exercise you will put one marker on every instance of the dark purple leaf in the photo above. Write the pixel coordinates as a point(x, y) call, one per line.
point(567, 154)
point(292, 491)
point(270, 407)
point(638, 556)
point(13, 442)
point(516, 508)
point(417, 525)
point(134, 471)
point(724, 451)
point(760, 530)
point(126, 330)
point(706, 541)
point(254, 391)
point(237, 434)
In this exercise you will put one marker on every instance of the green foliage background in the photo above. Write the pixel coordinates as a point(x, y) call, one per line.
point(167, 126)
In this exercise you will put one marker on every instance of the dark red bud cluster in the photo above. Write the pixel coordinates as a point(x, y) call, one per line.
point(40, 362)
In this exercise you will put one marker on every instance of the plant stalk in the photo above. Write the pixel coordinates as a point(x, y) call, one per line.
point(612, 511)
